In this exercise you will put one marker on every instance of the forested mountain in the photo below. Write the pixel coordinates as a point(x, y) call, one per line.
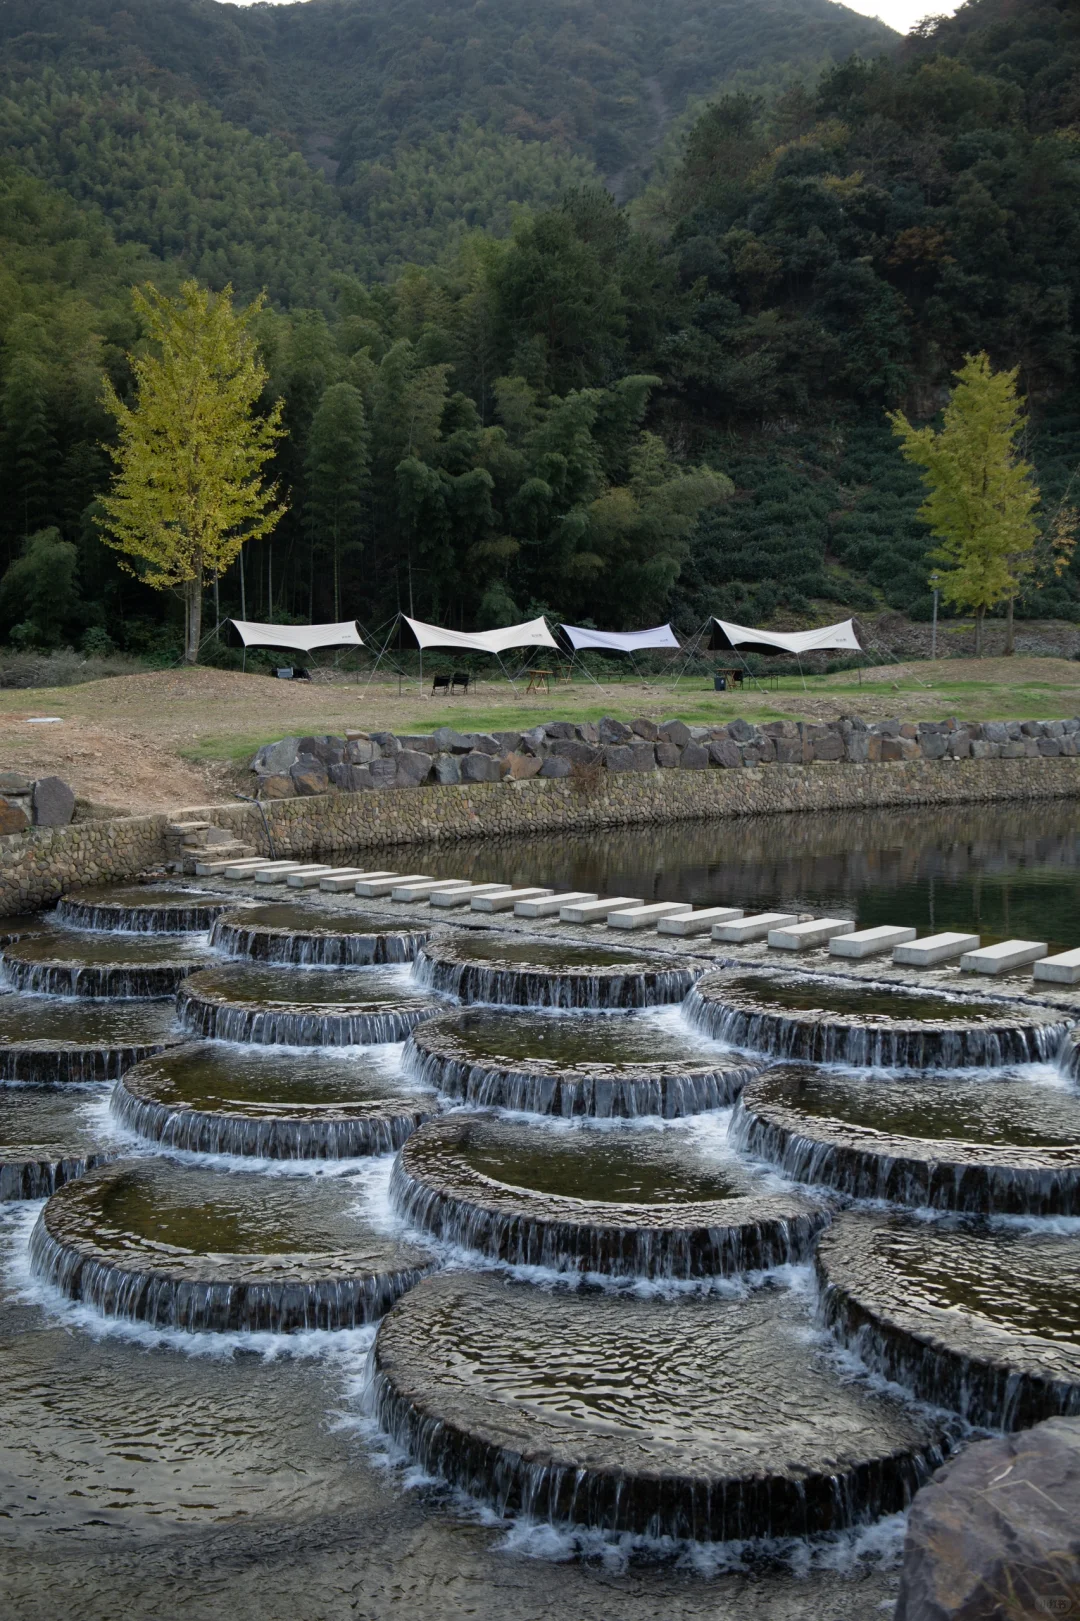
point(608, 413)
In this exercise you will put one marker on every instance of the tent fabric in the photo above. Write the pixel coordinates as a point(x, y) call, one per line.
point(298, 638)
point(825, 639)
point(533, 633)
point(619, 641)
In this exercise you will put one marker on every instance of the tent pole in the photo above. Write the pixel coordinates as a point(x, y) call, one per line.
point(691, 649)
point(798, 661)
point(506, 673)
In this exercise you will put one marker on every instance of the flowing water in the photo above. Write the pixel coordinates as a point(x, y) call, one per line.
point(186, 1418)
point(285, 932)
point(140, 909)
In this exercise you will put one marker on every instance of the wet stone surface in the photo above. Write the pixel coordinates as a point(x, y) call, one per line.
point(869, 1024)
point(309, 1007)
point(544, 973)
point(981, 1317)
point(182, 1246)
point(614, 1064)
point(632, 1201)
point(67, 962)
point(1006, 1143)
point(284, 933)
point(141, 909)
point(221, 1098)
point(706, 1418)
point(51, 1041)
point(46, 1138)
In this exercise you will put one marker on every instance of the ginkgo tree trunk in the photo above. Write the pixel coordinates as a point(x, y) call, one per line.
point(188, 489)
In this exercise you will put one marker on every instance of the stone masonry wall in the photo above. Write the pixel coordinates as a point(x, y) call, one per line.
point(36, 868)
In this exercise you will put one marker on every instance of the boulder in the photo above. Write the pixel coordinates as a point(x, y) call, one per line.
point(424, 743)
point(892, 748)
point(13, 782)
point(667, 755)
point(447, 768)
point(556, 765)
point(648, 729)
point(351, 778)
point(675, 731)
point(281, 785)
point(791, 750)
point(983, 750)
point(388, 743)
point(413, 768)
point(508, 742)
point(766, 747)
point(383, 772)
point(829, 747)
point(740, 730)
point(613, 731)
point(959, 745)
point(484, 743)
point(694, 758)
point(361, 751)
point(886, 728)
point(534, 740)
point(523, 766)
point(725, 754)
point(1013, 750)
point(588, 731)
point(857, 748)
point(12, 819)
point(996, 1532)
point(644, 755)
point(309, 777)
point(619, 757)
point(1032, 728)
point(573, 749)
point(559, 729)
point(1048, 745)
point(935, 745)
point(476, 766)
point(327, 750)
point(53, 802)
point(273, 759)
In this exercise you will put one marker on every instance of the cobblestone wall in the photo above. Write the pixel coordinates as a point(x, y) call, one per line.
point(36, 868)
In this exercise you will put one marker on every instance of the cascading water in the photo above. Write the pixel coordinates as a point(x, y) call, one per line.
point(655, 1207)
point(64, 962)
point(546, 974)
point(141, 910)
point(282, 933)
point(50, 1042)
point(45, 1141)
point(869, 1026)
point(314, 1007)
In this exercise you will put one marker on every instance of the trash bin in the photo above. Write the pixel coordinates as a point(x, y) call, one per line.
point(719, 683)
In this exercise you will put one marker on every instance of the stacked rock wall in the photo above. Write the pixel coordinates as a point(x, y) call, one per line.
point(300, 766)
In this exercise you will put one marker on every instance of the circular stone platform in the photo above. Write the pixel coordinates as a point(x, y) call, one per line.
point(996, 1144)
point(45, 1141)
point(300, 934)
point(506, 969)
point(139, 909)
point(615, 1064)
point(713, 1419)
point(865, 1024)
point(980, 1317)
point(307, 1007)
point(184, 1247)
point(628, 1201)
point(66, 963)
point(214, 1098)
point(52, 1042)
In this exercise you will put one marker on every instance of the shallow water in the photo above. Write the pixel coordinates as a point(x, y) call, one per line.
point(539, 953)
point(89, 948)
point(865, 1002)
point(25, 1017)
point(626, 1040)
point(998, 1109)
point(254, 1081)
point(288, 987)
point(49, 1123)
point(609, 1164)
point(294, 916)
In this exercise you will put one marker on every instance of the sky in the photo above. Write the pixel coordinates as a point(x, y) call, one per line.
point(899, 14)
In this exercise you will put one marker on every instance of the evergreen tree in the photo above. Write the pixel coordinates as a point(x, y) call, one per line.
point(337, 479)
point(189, 490)
point(982, 493)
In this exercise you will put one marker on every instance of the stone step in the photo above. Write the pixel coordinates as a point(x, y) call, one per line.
point(1061, 969)
point(424, 890)
point(216, 867)
point(741, 931)
point(646, 917)
point(507, 902)
point(684, 923)
point(805, 936)
point(870, 942)
point(461, 897)
point(1004, 957)
point(337, 883)
point(934, 948)
point(370, 888)
point(312, 879)
point(280, 875)
point(597, 911)
point(239, 870)
point(552, 905)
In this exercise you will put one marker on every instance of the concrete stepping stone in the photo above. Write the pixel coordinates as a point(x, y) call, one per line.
point(804, 936)
point(248, 868)
point(1004, 957)
point(683, 923)
point(279, 875)
point(218, 869)
point(870, 942)
point(369, 887)
point(447, 898)
point(1062, 969)
point(425, 889)
point(646, 917)
point(507, 902)
point(313, 877)
point(597, 911)
point(740, 931)
point(935, 948)
point(346, 880)
point(552, 905)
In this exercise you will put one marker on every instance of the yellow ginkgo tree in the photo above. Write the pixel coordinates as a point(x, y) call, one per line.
point(189, 489)
point(982, 493)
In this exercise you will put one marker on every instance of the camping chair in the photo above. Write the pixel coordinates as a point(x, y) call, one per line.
point(440, 683)
point(460, 679)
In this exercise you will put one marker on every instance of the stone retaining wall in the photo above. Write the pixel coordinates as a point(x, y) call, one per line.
point(36, 868)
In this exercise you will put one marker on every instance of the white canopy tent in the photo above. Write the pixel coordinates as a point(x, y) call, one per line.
point(619, 641)
point(298, 638)
point(532, 633)
point(825, 639)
